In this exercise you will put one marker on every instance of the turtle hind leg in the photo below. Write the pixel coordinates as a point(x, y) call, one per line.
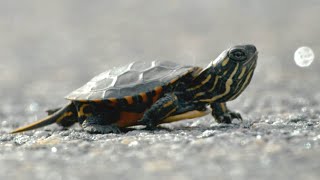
point(65, 117)
point(67, 122)
point(52, 111)
point(161, 109)
point(92, 126)
point(64, 122)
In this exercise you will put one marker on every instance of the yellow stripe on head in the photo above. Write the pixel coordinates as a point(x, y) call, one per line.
point(228, 87)
point(225, 62)
point(244, 85)
point(242, 72)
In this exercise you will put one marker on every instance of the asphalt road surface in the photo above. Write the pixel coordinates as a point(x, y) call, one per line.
point(50, 49)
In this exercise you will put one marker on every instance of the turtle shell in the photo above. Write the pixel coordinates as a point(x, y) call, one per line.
point(129, 80)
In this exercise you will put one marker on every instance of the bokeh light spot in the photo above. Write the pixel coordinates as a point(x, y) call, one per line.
point(304, 56)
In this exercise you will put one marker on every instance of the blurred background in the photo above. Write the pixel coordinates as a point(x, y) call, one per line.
point(51, 48)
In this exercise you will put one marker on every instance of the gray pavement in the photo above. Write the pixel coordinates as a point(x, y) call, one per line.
point(49, 49)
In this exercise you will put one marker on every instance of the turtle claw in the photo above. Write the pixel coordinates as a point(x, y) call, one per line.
point(100, 129)
point(227, 117)
point(236, 115)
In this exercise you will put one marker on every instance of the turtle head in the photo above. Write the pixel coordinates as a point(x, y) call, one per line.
point(242, 56)
point(235, 67)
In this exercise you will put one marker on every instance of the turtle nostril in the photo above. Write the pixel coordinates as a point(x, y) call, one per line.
point(251, 48)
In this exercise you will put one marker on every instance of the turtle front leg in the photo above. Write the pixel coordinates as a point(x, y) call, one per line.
point(161, 109)
point(222, 114)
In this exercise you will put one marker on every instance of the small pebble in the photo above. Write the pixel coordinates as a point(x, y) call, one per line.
point(41, 134)
point(54, 149)
point(133, 143)
point(258, 137)
point(307, 145)
point(207, 133)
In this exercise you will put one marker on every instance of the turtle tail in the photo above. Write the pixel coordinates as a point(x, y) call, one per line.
point(66, 116)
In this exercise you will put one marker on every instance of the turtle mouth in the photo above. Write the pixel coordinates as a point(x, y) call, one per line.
point(252, 60)
point(251, 63)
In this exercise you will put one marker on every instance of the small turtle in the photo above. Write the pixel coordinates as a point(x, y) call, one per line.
point(151, 93)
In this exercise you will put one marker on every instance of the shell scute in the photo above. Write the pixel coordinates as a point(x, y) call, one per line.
point(102, 84)
point(156, 73)
point(140, 65)
point(129, 80)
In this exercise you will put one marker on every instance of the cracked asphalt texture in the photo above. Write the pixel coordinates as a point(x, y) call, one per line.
point(48, 49)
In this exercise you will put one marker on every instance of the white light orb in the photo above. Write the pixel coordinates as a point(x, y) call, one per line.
point(304, 56)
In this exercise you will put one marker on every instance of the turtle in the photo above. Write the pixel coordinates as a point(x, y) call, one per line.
point(152, 93)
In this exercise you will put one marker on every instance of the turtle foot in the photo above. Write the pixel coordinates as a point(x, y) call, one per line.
point(100, 129)
point(228, 117)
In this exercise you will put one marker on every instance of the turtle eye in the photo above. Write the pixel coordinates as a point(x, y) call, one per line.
point(238, 54)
